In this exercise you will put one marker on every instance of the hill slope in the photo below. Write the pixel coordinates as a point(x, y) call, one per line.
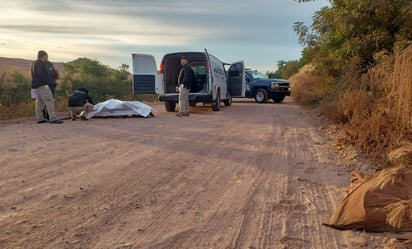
point(22, 65)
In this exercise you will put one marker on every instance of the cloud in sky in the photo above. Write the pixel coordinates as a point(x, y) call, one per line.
point(259, 32)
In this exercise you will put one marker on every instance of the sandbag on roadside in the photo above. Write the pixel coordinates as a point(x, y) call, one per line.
point(380, 202)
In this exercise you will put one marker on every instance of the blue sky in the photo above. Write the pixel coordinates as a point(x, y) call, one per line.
point(258, 32)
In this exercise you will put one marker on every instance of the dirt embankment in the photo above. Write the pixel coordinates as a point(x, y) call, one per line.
point(21, 65)
point(251, 176)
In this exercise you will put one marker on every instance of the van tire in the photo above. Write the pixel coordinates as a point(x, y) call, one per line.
point(170, 106)
point(228, 102)
point(261, 96)
point(216, 105)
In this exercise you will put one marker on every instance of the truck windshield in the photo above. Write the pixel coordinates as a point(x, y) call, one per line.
point(258, 76)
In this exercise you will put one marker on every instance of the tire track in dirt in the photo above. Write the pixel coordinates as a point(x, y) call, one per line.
point(159, 221)
point(161, 218)
point(206, 188)
point(249, 208)
point(256, 226)
point(252, 176)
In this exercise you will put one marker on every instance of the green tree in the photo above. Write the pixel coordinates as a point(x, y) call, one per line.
point(285, 69)
point(355, 30)
point(101, 81)
point(122, 74)
point(14, 89)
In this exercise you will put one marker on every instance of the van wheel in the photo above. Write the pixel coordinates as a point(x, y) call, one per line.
point(228, 102)
point(261, 96)
point(170, 106)
point(216, 105)
point(278, 98)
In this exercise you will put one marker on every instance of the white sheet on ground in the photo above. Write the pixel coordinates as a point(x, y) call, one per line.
point(118, 108)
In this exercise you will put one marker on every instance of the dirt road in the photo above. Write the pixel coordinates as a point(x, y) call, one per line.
point(252, 176)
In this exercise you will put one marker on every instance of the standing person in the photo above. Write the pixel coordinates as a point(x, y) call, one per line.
point(54, 75)
point(186, 80)
point(40, 83)
point(80, 102)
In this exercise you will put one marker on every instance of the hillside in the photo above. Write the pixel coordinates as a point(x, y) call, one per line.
point(22, 65)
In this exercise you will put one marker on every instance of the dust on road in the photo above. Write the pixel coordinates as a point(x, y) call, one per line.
point(252, 176)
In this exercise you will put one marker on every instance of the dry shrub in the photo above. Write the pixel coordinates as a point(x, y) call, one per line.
point(23, 109)
point(307, 88)
point(353, 106)
point(61, 104)
point(26, 109)
point(402, 155)
point(401, 89)
point(377, 110)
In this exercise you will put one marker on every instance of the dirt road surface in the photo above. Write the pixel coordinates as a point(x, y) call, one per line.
point(251, 176)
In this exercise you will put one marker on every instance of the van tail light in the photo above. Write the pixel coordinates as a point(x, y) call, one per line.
point(161, 68)
point(207, 64)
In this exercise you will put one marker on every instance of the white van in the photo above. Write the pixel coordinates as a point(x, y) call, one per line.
point(212, 84)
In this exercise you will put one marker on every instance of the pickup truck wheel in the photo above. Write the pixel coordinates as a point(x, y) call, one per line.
point(261, 96)
point(216, 105)
point(170, 106)
point(228, 102)
point(279, 98)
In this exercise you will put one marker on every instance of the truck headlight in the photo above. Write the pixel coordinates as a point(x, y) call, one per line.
point(275, 85)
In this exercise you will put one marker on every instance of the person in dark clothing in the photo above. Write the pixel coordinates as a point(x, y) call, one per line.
point(80, 102)
point(54, 75)
point(40, 85)
point(186, 80)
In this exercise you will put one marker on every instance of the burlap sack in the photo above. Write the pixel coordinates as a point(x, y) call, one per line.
point(380, 202)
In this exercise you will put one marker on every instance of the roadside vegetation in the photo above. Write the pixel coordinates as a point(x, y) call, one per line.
point(102, 82)
point(356, 67)
point(285, 69)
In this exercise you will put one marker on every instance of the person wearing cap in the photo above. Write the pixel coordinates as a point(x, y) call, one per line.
point(80, 102)
point(186, 79)
point(40, 84)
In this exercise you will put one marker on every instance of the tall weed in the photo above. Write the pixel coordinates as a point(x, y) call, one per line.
point(375, 108)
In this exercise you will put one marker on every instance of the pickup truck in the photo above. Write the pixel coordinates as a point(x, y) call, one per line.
point(253, 84)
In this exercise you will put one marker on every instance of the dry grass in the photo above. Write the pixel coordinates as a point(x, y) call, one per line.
point(399, 213)
point(375, 109)
point(401, 89)
point(307, 88)
point(378, 113)
point(26, 109)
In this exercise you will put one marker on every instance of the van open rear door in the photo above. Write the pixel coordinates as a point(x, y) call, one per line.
point(236, 79)
point(146, 79)
point(209, 71)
